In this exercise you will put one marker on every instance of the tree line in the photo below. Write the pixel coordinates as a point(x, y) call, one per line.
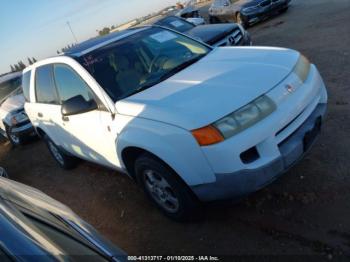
point(19, 66)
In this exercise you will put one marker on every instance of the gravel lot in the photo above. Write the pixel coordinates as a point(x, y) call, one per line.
point(305, 212)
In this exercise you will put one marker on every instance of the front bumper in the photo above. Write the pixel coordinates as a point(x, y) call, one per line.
point(243, 39)
point(25, 130)
point(243, 182)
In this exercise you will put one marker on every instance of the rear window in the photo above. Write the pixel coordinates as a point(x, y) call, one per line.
point(44, 86)
point(175, 24)
point(26, 85)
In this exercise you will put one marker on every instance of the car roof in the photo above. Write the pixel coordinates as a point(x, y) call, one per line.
point(163, 19)
point(9, 76)
point(94, 43)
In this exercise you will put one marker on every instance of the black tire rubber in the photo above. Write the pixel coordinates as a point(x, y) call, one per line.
point(284, 9)
point(69, 162)
point(244, 24)
point(189, 205)
point(214, 20)
point(14, 143)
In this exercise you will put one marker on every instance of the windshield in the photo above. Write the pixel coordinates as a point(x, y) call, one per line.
point(175, 24)
point(141, 60)
point(7, 87)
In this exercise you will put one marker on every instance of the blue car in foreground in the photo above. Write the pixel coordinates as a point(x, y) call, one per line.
point(35, 227)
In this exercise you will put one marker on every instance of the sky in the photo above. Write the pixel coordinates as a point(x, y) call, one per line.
point(37, 28)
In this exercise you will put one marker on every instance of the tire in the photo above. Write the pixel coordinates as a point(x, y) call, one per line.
point(285, 9)
point(166, 190)
point(3, 173)
point(214, 20)
point(15, 139)
point(64, 160)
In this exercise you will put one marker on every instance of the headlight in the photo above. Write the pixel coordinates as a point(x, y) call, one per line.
point(302, 68)
point(245, 117)
point(235, 122)
point(18, 118)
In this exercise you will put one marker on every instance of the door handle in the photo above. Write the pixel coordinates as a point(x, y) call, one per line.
point(40, 114)
point(65, 118)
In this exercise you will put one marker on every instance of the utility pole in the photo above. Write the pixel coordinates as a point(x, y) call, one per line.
point(70, 28)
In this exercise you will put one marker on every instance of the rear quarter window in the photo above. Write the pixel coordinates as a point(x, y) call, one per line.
point(45, 89)
point(26, 85)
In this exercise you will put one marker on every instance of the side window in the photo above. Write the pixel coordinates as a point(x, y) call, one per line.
point(26, 85)
point(70, 84)
point(44, 86)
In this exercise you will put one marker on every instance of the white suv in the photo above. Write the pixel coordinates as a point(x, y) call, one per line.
point(187, 121)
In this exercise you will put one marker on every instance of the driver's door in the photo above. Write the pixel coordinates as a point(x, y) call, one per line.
point(86, 135)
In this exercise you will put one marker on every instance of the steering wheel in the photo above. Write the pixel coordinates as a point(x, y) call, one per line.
point(157, 62)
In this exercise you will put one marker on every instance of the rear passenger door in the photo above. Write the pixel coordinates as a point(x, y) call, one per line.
point(46, 110)
point(86, 135)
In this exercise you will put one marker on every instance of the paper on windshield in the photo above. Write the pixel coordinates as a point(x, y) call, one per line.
point(163, 36)
point(177, 23)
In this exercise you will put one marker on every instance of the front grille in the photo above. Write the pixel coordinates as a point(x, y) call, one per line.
point(235, 37)
point(291, 122)
point(22, 124)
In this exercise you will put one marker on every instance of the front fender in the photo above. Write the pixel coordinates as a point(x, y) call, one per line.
point(174, 145)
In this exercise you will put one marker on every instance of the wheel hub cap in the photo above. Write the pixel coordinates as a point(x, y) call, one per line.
point(161, 191)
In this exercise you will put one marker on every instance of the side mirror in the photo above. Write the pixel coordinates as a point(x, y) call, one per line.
point(226, 3)
point(77, 105)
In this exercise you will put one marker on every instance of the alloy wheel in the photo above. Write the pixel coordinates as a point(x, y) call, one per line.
point(54, 150)
point(161, 191)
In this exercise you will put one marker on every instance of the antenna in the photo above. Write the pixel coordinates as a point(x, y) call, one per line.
point(70, 28)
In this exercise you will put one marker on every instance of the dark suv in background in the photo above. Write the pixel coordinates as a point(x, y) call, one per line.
point(245, 12)
point(229, 34)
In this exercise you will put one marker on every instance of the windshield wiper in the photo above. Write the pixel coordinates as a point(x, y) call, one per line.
point(180, 67)
point(166, 75)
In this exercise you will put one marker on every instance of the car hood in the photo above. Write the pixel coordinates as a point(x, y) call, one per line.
point(220, 83)
point(211, 34)
point(13, 103)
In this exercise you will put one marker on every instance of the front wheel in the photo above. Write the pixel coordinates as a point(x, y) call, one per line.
point(165, 189)
point(64, 160)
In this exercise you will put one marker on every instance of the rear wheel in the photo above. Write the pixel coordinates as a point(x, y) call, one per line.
point(239, 20)
point(64, 160)
point(165, 189)
point(214, 20)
